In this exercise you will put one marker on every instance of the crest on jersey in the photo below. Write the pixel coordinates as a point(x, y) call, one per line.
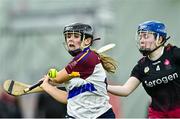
point(158, 68)
point(146, 69)
point(167, 64)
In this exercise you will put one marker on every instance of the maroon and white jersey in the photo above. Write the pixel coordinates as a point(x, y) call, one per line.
point(87, 94)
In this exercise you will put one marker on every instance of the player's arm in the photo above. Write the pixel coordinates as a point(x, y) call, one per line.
point(58, 94)
point(63, 76)
point(126, 89)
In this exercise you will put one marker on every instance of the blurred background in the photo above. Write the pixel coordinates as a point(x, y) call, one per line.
point(31, 41)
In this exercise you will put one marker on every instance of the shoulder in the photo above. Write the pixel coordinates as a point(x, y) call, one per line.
point(169, 47)
point(86, 59)
point(86, 56)
point(140, 64)
point(142, 60)
point(174, 52)
point(138, 69)
point(172, 48)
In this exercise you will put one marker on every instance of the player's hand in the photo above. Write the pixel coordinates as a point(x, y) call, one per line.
point(45, 80)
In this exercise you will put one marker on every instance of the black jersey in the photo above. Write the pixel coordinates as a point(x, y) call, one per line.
point(161, 78)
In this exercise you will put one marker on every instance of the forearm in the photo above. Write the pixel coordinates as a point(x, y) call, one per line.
point(63, 76)
point(56, 93)
point(117, 90)
point(126, 89)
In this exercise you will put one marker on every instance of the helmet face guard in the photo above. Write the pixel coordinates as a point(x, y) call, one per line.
point(148, 45)
point(84, 30)
point(150, 27)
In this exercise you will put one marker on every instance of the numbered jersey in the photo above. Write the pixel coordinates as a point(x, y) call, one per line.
point(87, 94)
point(161, 78)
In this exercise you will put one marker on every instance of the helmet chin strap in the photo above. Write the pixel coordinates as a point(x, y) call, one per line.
point(74, 52)
point(80, 49)
point(82, 46)
point(155, 48)
point(147, 52)
point(160, 44)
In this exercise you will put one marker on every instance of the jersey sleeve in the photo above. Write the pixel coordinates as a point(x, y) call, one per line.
point(136, 72)
point(176, 53)
point(84, 64)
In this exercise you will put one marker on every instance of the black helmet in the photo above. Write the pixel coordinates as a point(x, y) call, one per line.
point(84, 29)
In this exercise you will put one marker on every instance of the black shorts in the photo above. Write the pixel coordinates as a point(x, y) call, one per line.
point(108, 114)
